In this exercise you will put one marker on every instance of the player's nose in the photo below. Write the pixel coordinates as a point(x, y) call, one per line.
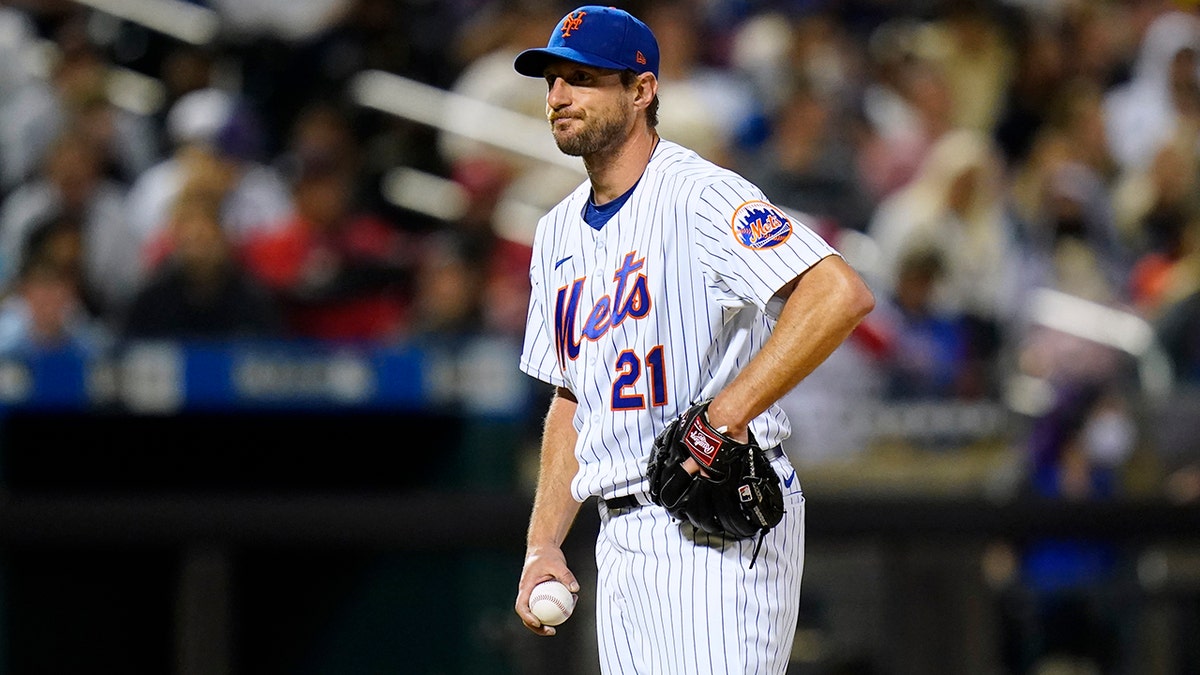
point(559, 94)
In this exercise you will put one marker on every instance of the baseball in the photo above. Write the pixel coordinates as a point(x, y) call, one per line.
point(551, 602)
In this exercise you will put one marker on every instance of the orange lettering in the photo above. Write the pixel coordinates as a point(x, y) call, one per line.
point(572, 23)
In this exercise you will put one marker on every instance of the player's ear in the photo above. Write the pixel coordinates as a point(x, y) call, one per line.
point(645, 88)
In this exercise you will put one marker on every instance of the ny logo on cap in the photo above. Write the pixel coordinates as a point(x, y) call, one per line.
point(571, 22)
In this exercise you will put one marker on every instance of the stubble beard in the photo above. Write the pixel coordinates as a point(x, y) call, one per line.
point(596, 136)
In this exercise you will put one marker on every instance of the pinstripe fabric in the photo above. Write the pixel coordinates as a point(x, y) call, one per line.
point(661, 307)
point(670, 600)
point(708, 312)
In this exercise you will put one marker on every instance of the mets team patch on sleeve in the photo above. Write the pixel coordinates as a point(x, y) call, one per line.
point(759, 225)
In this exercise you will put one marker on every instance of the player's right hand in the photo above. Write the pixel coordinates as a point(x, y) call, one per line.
point(542, 563)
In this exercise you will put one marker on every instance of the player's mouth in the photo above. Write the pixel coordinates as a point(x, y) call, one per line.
point(555, 120)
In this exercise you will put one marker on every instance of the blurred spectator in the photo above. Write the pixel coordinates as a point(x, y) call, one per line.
point(338, 273)
point(760, 48)
point(287, 58)
point(1097, 36)
point(503, 260)
point(927, 353)
point(322, 129)
point(326, 128)
point(1079, 446)
point(73, 96)
point(73, 187)
point(807, 163)
point(1149, 198)
point(771, 48)
point(448, 289)
point(968, 46)
point(891, 56)
point(200, 290)
point(366, 38)
point(1166, 272)
point(956, 206)
point(907, 106)
point(710, 108)
point(1174, 426)
point(45, 313)
point(506, 285)
point(1077, 115)
point(1077, 451)
point(288, 53)
point(1068, 237)
point(1142, 113)
point(487, 46)
point(1039, 73)
point(183, 69)
point(17, 35)
point(494, 232)
point(211, 127)
point(823, 54)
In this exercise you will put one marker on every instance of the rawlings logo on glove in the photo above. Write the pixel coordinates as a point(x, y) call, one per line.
point(704, 447)
point(737, 495)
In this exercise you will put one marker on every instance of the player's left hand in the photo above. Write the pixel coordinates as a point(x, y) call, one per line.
point(736, 494)
point(542, 563)
point(739, 434)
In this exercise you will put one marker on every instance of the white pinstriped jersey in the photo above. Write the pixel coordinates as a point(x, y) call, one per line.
point(659, 308)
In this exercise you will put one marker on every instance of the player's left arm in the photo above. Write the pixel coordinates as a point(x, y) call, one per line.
point(823, 305)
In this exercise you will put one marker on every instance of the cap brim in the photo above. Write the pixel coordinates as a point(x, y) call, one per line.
point(533, 62)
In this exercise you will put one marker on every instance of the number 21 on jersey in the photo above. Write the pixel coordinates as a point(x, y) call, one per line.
point(630, 299)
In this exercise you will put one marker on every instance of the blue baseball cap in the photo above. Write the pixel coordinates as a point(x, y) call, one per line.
point(604, 37)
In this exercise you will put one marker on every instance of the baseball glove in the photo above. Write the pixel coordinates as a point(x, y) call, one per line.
point(738, 493)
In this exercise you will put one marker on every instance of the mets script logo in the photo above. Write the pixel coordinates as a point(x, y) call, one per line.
point(572, 22)
point(759, 225)
point(630, 298)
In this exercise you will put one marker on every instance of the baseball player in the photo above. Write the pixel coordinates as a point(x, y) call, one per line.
point(667, 288)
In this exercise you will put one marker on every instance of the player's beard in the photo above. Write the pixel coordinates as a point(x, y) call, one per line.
point(600, 131)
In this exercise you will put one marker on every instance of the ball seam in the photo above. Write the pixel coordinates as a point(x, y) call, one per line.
point(561, 607)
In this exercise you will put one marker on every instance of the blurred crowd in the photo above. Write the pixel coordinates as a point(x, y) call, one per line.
point(1017, 179)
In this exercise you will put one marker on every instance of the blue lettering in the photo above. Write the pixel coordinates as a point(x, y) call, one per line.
point(564, 323)
point(631, 299)
point(597, 323)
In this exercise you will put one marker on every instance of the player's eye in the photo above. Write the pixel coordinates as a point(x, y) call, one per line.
point(571, 78)
point(580, 77)
point(577, 78)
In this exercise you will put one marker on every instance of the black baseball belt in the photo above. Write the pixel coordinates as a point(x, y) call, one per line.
point(636, 499)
